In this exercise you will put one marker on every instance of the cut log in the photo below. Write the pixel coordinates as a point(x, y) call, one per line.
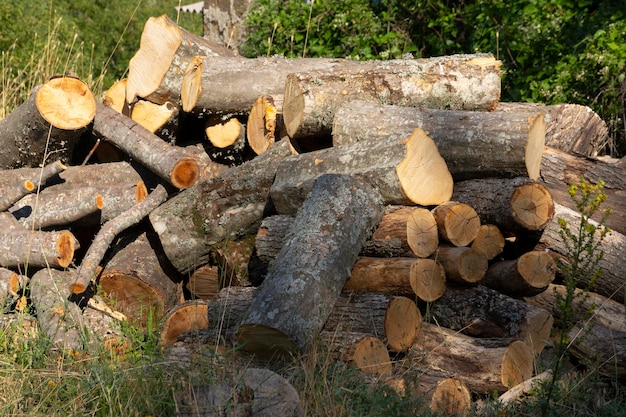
point(115, 97)
point(527, 275)
point(48, 122)
point(363, 351)
point(562, 170)
point(500, 144)
point(458, 82)
point(25, 248)
point(205, 282)
point(598, 335)
point(408, 171)
point(10, 284)
point(167, 161)
point(229, 142)
point(457, 223)
point(16, 183)
point(155, 71)
point(265, 123)
point(448, 396)
point(156, 117)
point(485, 366)
point(134, 281)
point(514, 205)
point(422, 233)
point(87, 270)
point(489, 241)
point(183, 318)
point(571, 128)
point(194, 221)
point(398, 276)
point(307, 276)
point(611, 284)
point(462, 264)
point(483, 312)
point(57, 208)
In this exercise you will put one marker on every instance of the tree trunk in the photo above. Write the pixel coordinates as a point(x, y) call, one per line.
point(457, 223)
point(155, 71)
point(16, 183)
point(598, 334)
point(408, 171)
point(489, 241)
point(183, 318)
point(167, 161)
point(194, 221)
point(26, 248)
point(501, 144)
point(448, 396)
point(482, 312)
point(363, 351)
point(462, 264)
point(485, 366)
point(561, 170)
point(307, 276)
point(527, 275)
point(458, 82)
point(514, 205)
point(223, 21)
point(49, 122)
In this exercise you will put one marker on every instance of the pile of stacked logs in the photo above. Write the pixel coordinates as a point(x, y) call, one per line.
point(394, 212)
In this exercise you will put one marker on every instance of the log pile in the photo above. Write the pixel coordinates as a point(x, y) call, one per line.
point(361, 197)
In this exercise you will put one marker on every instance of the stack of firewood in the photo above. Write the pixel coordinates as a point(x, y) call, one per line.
point(309, 201)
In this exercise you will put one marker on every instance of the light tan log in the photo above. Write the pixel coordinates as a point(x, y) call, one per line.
point(457, 82)
point(562, 170)
point(10, 284)
point(527, 275)
point(428, 279)
point(28, 248)
point(613, 267)
point(115, 97)
point(205, 283)
point(422, 233)
point(229, 142)
point(457, 223)
point(474, 144)
point(167, 161)
point(485, 366)
point(16, 183)
point(383, 275)
point(40, 211)
point(598, 335)
point(89, 265)
point(448, 396)
point(265, 123)
point(324, 241)
point(407, 171)
point(183, 318)
point(514, 205)
point(571, 128)
point(155, 71)
point(462, 264)
point(192, 222)
point(489, 241)
point(483, 312)
point(47, 123)
point(155, 117)
point(363, 351)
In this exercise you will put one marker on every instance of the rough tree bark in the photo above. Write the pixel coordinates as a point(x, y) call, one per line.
point(16, 183)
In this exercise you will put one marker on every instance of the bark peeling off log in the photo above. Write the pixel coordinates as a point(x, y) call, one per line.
point(308, 274)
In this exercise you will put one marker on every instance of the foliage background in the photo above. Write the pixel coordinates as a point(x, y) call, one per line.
point(553, 51)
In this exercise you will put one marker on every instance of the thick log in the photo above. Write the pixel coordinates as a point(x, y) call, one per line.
point(474, 144)
point(363, 351)
point(514, 205)
point(462, 264)
point(10, 284)
point(489, 241)
point(407, 171)
point(134, 280)
point(57, 208)
point(422, 233)
point(16, 183)
point(308, 274)
point(183, 318)
point(160, 119)
point(561, 170)
point(611, 283)
point(115, 97)
point(216, 210)
point(458, 82)
point(265, 123)
point(428, 279)
point(155, 71)
point(23, 247)
point(527, 275)
point(457, 223)
point(598, 335)
point(571, 128)
point(205, 283)
point(229, 142)
point(448, 396)
point(89, 265)
point(482, 312)
point(48, 122)
point(485, 366)
point(167, 161)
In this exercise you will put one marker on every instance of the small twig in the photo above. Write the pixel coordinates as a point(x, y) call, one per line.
point(91, 152)
point(100, 306)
